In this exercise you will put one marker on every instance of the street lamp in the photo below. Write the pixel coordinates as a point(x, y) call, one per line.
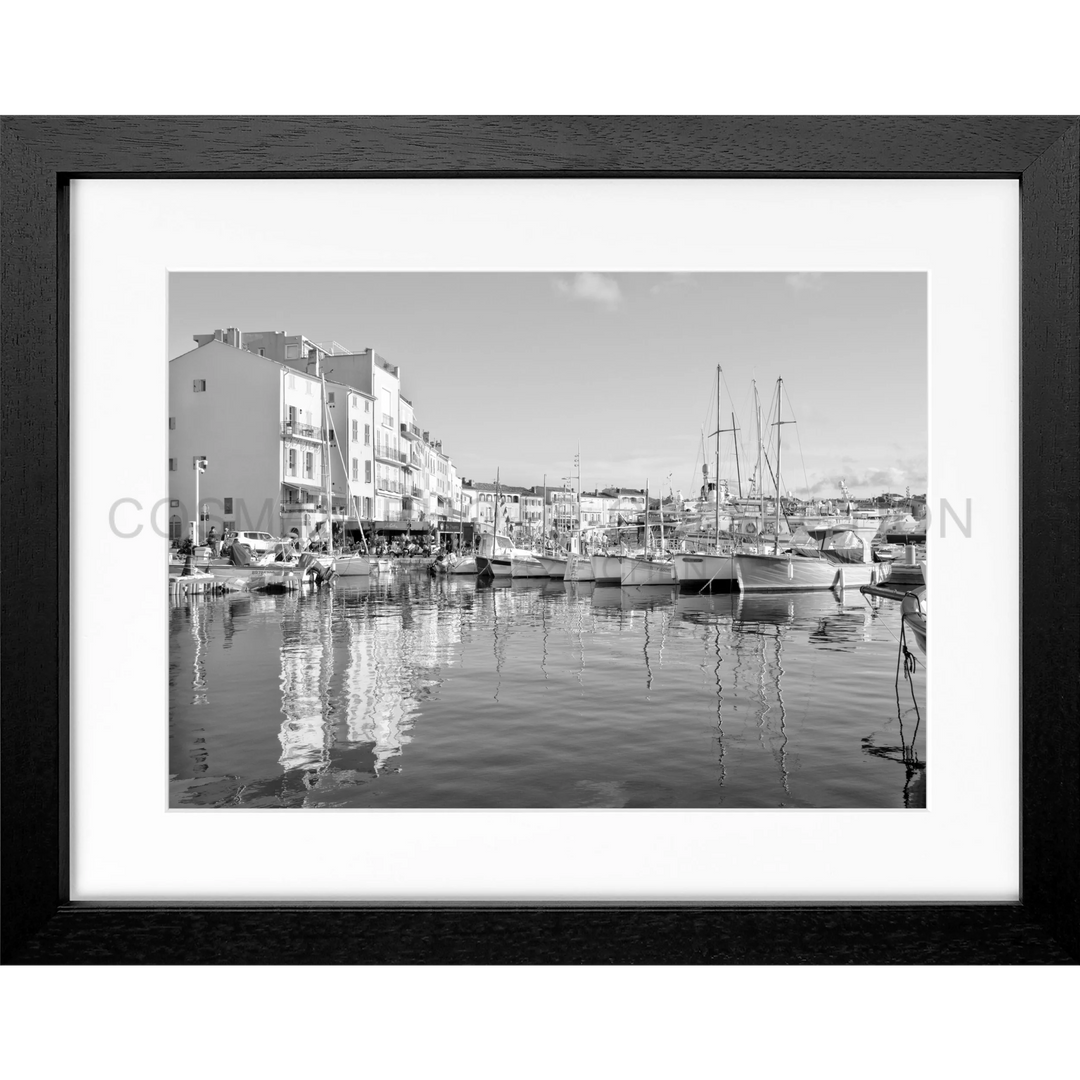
point(199, 464)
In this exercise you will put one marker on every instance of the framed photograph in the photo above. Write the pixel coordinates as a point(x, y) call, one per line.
point(511, 615)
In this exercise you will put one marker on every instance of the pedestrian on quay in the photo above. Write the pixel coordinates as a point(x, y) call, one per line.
point(212, 540)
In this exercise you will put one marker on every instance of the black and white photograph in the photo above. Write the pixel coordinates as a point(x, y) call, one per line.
point(659, 399)
point(580, 540)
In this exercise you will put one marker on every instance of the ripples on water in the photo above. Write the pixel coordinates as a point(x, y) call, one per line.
point(415, 692)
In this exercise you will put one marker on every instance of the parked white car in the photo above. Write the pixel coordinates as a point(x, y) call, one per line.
point(259, 542)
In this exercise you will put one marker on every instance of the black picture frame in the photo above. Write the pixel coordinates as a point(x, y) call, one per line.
point(41, 155)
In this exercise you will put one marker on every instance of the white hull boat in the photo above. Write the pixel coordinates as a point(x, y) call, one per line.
point(353, 565)
point(526, 566)
point(607, 569)
point(578, 568)
point(913, 612)
point(646, 572)
point(464, 565)
point(799, 573)
point(554, 567)
point(701, 572)
point(494, 556)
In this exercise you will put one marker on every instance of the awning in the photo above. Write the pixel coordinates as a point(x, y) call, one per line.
point(400, 526)
point(302, 484)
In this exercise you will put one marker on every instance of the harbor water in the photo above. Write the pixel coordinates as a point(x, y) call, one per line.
point(406, 691)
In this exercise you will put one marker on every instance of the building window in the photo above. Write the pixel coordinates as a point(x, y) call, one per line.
point(356, 468)
point(227, 507)
point(367, 405)
point(367, 434)
point(367, 472)
point(292, 462)
point(172, 423)
point(228, 526)
point(309, 466)
point(198, 385)
point(292, 352)
point(174, 528)
point(262, 352)
point(330, 397)
point(172, 464)
point(356, 431)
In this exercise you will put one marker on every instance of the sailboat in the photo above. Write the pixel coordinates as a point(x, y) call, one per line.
point(648, 570)
point(701, 571)
point(496, 550)
point(840, 560)
point(554, 565)
point(578, 564)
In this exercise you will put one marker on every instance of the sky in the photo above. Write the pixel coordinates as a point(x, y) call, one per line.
point(515, 371)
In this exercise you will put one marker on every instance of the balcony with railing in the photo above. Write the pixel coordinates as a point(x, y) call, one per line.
point(292, 429)
point(410, 431)
point(385, 452)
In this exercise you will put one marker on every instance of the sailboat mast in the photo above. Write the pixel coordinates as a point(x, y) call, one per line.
point(779, 432)
point(326, 453)
point(716, 525)
point(543, 519)
point(760, 486)
point(577, 461)
point(735, 439)
point(662, 516)
point(647, 517)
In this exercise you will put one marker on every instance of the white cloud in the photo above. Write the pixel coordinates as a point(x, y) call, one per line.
point(594, 287)
point(805, 282)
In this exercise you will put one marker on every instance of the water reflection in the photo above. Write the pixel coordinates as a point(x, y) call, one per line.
point(537, 693)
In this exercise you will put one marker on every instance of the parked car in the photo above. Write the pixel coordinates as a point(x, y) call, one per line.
point(259, 542)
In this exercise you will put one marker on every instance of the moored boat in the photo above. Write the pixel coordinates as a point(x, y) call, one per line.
point(606, 569)
point(842, 562)
point(493, 558)
point(913, 613)
point(524, 564)
point(554, 565)
point(646, 571)
point(353, 564)
point(704, 571)
point(578, 568)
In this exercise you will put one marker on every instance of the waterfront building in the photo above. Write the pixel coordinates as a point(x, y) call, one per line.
point(562, 508)
point(257, 427)
point(386, 473)
point(521, 509)
point(414, 496)
point(470, 504)
point(626, 505)
point(595, 510)
point(352, 462)
point(532, 511)
point(374, 377)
